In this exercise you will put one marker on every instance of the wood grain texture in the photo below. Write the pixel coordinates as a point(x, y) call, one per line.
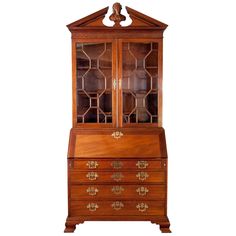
point(105, 208)
point(123, 164)
point(94, 141)
point(124, 192)
point(87, 143)
point(109, 177)
point(127, 146)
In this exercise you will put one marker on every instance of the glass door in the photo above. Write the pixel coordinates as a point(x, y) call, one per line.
point(139, 83)
point(94, 83)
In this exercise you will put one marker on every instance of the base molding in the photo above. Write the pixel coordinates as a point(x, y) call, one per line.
point(163, 222)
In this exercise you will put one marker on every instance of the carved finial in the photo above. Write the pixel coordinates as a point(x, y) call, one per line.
point(116, 16)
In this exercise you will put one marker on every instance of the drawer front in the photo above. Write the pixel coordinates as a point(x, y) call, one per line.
point(79, 208)
point(111, 164)
point(96, 192)
point(124, 176)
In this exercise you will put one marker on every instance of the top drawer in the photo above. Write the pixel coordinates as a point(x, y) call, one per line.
point(109, 164)
point(122, 143)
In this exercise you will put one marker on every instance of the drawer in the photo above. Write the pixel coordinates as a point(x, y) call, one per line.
point(79, 208)
point(85, 192)
point(124, 176)
point(116, 164)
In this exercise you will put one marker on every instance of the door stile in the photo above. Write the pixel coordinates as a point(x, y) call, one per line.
point(114, 84)
point(160, 69)
point(74, 95)
point(120, 97)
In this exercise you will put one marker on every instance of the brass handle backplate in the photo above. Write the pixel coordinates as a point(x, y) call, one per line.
point(116, 164)
point(117, 134)
point(92, 175)
point(92, 191)
point(92, 206)
point(117, 189)
point(117, 176)
point(142, 176)
point(117, 205)
point(142, 191)
point(92, 164)
point(142, 164)
point(142, 207)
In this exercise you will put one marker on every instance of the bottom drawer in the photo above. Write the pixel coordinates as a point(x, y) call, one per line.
point(78, 208)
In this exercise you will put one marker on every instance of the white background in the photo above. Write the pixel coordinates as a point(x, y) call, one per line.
point(199, 116)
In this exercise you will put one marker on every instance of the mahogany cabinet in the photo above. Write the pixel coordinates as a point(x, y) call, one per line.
point(117, 157)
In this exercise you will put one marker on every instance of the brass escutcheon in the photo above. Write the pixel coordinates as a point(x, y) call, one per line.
point(142, 164)
point(117, 189)
point(92, 206)
point(117, 205)
point(142, 207)
point(117, 134)
point(142, 176)
point(92, 175)
point(142, 191)
point(116, 164)
point(92, 191)
point(92, 164)
point(117, 176)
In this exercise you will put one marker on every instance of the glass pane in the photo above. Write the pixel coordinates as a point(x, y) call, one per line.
point(139, 84)
point(94, 82)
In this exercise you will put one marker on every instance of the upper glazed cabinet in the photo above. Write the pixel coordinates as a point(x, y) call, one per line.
point(117, 71)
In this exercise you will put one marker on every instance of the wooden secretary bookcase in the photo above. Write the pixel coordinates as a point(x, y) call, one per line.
point(117, 157)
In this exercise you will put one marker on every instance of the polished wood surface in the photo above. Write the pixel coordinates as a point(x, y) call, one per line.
point(107, 146)
point(118, 191)
point(87, 143)
point(117, 164)
point(117, 155)
point(156, 208)
point(117, 177)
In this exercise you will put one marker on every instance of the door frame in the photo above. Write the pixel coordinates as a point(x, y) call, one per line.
point(74, 83)
point(159, 82)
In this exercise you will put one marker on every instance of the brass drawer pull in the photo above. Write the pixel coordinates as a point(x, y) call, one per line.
point(92, 206)
point(116, 164)
point(117, 205)
point(142, 191)
point(142, 164)
point(142, 207)
point(117, 176)
point(117, 134)
point(92, 164)
point(142, 176)
point(117, 189)
point(92, 175)
point(92, 191)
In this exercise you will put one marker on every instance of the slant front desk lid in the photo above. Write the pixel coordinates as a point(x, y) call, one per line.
point(118, 143)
